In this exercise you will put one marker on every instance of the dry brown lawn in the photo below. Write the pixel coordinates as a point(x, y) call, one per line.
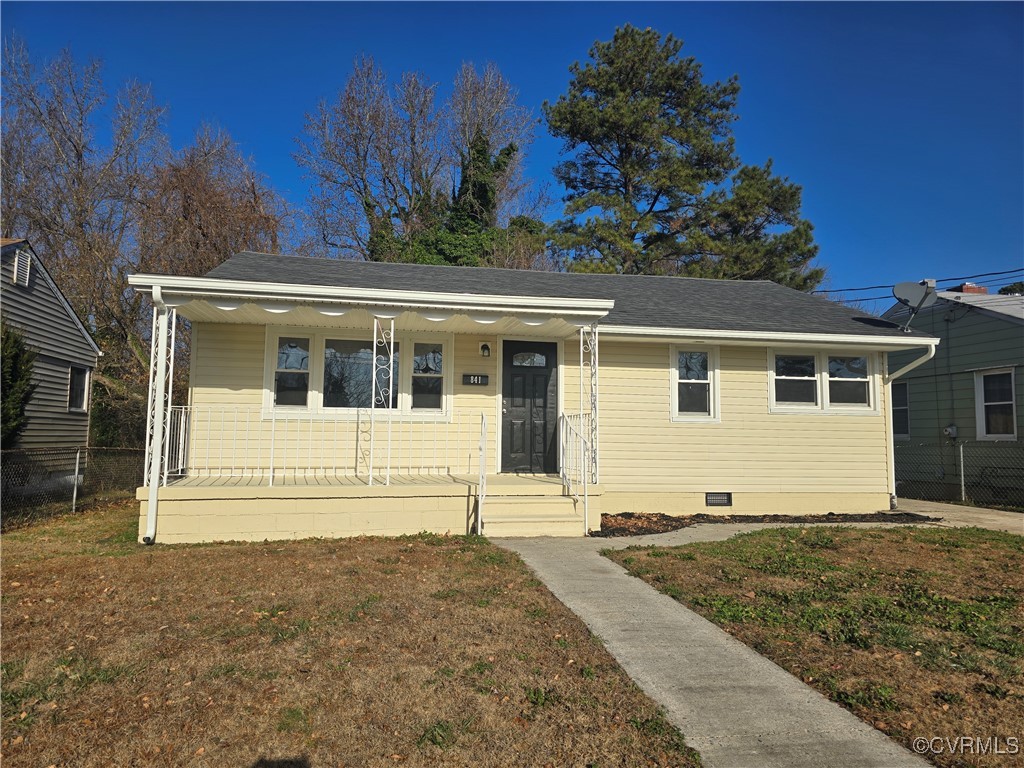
point(424, 650)
point(919, 631)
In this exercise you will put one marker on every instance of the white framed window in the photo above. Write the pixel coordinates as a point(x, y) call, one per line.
point(694, 383)
point(291, 371)
point(819, 381)
point(849, 381)
point(995, 409)
point(900, 409)
point(795, 380)
point(78, 389)
point(329, 371)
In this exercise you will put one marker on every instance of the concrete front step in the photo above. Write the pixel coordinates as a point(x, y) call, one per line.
point(532, 516)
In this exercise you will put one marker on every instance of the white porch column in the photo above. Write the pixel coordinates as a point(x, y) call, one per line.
point(380, 393)
point(161, 351)
point(589, 347)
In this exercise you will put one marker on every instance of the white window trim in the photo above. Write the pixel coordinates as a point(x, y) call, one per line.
point(714, 390)
point(314, 400)
point(979, 403)
point(900, 435)
point(823, 406)
point(85, 393)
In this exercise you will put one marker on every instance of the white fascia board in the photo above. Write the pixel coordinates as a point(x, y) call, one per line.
point(38, 264)
point(760, 338)
point(204, 288)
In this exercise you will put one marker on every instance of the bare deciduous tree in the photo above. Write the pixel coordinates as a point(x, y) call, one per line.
point(384, 162)
point(100, 209)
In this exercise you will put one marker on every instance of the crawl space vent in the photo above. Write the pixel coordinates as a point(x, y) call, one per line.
point(717, 499)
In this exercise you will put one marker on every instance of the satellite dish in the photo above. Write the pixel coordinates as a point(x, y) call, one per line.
point(917, 296)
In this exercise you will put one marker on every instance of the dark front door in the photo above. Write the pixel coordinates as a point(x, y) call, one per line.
point(529, 406)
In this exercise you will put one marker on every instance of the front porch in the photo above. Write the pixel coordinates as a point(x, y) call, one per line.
point(341, 414)
point(249, 508)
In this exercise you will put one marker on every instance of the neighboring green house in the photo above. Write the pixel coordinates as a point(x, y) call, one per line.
point(969, 400)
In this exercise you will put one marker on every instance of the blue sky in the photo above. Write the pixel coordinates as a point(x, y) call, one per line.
point(903, 122)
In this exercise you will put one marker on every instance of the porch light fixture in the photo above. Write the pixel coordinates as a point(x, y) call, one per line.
point(485, 350)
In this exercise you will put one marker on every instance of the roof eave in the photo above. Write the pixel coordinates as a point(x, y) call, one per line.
point(773, 338)
point(205, 288)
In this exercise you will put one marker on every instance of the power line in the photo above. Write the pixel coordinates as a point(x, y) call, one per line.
point(938, 280)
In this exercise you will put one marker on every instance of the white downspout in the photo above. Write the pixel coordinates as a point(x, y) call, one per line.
point(928, 355)
point(887, 380)
point(156, 414)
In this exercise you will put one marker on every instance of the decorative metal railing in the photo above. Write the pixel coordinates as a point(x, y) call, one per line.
point(228, 442)
point(574, 459)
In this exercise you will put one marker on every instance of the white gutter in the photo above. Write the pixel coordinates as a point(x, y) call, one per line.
point(207, 288)
point(928, 355)
point(767, 337)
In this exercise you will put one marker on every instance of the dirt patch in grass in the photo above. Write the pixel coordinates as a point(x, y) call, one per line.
point(919, 631)
point(645, 523)
point(423, 650)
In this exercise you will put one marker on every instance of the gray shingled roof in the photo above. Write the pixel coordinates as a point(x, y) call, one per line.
point(656, 302)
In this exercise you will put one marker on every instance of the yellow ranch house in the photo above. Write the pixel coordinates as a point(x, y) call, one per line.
point(341, 398)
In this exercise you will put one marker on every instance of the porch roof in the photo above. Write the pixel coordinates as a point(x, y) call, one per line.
point(632, 305)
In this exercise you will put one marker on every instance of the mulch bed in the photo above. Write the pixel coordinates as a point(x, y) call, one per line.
point(644, 523)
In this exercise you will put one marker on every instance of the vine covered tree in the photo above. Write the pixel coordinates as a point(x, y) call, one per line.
point(399, 177)
point(653, 181)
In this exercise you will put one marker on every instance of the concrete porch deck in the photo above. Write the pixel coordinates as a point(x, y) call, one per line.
point(212, 508)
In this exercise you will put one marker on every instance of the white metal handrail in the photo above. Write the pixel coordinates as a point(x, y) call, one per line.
point(574, 461)
point(241, 442)
point(481, 488)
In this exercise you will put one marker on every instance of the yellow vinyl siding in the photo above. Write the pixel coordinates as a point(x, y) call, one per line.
point(231, 434)
point(750, 450)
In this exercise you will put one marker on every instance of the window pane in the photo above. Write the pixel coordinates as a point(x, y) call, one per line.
point(530, 359)
point(76, 395)
point(693, 366)
point(789, 391)
point(998, 388)
point(899, 395)
point(694, 398)
point(427, 358)
point(290, 388)
point(848, 392)
point(999, 419)
point(848, 367)
point(348, 366)
point(901, 422)
point(794, 365)
point(426, 391)
point(293, 354)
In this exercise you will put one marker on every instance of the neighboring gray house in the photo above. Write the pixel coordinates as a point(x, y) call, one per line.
point(66, 355)
point(969, 397)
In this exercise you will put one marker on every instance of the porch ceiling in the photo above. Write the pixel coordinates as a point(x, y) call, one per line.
point(331, 316)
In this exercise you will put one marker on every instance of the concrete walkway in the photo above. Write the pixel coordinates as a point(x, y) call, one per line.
point(735, 707)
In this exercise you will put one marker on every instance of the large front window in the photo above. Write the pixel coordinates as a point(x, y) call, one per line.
point(348, 366)
point(325, 371)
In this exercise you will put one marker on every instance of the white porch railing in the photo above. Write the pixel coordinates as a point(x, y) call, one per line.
point(574, 459)
point(226, 442)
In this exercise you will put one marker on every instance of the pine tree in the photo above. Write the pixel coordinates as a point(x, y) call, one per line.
point(654, 185)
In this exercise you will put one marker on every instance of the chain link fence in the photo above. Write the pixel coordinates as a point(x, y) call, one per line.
point(48, 481)
point(983, 473)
